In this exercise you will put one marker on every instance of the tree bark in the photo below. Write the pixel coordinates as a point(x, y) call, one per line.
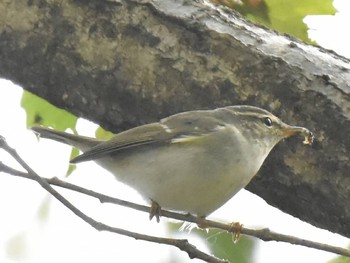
point(124, 63)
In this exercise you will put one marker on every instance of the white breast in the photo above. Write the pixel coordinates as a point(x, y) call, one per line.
point(189, 177)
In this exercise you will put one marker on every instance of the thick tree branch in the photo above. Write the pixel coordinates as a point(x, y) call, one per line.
point(122, 63)
point(263, 234)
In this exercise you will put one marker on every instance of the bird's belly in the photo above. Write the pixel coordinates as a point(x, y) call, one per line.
point(191, 181)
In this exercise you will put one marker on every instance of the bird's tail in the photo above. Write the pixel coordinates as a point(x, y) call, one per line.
point(83, 143)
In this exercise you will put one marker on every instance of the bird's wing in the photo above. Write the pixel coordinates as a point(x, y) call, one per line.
point(179, 128)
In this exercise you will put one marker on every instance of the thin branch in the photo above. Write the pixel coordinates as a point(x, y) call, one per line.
point(263, 234)
point(182, 244)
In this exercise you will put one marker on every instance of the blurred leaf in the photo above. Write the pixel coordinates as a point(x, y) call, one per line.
point(74, 153)
point(257, 8)
point(285, 16)
point(103, 134)
point(221, 244)
point(16, 247)
point(340, 259)
point(44, 209)
point(39, 111)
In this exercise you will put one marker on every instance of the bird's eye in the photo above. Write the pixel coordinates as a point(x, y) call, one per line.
point(267, 121)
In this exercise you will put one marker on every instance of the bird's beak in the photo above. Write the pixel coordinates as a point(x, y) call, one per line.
point(293, 130)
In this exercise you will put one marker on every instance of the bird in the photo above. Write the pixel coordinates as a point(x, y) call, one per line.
point(191, 162)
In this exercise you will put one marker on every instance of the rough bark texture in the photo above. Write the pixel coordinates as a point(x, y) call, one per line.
point(122, 63)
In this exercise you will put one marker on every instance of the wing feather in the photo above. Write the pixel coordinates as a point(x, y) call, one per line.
point(138, 136)
point(183, 127)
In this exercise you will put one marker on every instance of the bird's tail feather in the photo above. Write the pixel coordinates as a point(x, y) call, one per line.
point(83, 143)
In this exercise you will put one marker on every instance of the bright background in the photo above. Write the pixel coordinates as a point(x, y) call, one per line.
point(34, 227)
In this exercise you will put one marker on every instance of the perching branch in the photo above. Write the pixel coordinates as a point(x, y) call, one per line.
point(182, 244)
point(263, 234)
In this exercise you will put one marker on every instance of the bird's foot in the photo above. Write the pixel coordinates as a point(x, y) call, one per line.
point(202, 224)
point(155, 211)
point(235, 229)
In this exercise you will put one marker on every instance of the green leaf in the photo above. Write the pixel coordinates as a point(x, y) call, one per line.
point(256, 10)
point(44, 209)
point(39, 111)
point(103, 134)
point(16, 248)
point(340, 259)
point(287, 16)
point(74, 153)
point(221, 244)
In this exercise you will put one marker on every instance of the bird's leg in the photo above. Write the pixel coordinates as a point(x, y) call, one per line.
point(235, 229)
point(202, 224)
point(155, 210)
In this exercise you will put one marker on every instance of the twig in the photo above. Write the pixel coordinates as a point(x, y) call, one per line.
point(263, 234)
point(182, 244)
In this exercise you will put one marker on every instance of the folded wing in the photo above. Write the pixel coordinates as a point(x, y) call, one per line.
point(179, 128)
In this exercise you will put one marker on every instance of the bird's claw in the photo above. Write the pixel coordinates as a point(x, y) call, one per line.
point(155, 211)
point(236, 230)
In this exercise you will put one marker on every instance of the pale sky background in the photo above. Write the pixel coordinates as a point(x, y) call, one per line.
point(28, 236)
